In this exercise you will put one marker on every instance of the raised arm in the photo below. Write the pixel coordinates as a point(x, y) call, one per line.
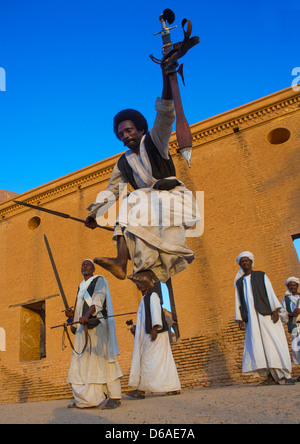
point(163, 125)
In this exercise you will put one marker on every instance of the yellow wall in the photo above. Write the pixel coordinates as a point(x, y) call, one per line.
point(252, 195)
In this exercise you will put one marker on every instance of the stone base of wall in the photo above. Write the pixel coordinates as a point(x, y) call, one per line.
point(201, 362)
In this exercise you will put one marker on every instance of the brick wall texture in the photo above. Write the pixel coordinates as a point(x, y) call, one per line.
point(251, 202)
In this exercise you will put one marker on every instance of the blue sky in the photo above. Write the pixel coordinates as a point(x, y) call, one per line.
point(72, 65)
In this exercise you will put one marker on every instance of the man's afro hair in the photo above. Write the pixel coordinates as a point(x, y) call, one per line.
point(131, 114)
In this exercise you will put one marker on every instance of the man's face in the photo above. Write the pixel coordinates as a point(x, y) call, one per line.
point(246, 264)
point(142, 286)
point(129, 135)
point(87, 268)
point(293, 287)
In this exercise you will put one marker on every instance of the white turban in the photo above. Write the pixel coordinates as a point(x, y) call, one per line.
point(240, 273)
point(89, 260)
point(290, 279)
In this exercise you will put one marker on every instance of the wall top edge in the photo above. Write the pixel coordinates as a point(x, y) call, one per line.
point(251, 114)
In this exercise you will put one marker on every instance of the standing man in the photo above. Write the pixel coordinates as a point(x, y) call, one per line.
point(150, 228)
point(290, 315)
point(94, 373)
point(257, 311)
point(152, 368)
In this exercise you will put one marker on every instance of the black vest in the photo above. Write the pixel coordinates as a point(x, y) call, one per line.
point(261, 301)
point(161, 168)
point(93, 321)
point(148, 326)
point(291, 324)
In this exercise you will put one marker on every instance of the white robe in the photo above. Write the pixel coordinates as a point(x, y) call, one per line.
point(98, 365)
point(159, 245)
point(153, 367)
point(265, 346)
point(295, 335)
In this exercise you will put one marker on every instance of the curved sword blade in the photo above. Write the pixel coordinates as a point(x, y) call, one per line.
point(62, 293)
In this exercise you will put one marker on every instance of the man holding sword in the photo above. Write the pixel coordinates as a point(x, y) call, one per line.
point(94, 373)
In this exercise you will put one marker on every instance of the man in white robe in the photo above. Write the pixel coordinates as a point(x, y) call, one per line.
point(94, 373)
point(290, 315)
point(256, 305)
point(153, 367)
point(150, 229)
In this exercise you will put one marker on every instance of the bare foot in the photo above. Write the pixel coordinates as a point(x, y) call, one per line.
point(112, 265)
point(143, 277)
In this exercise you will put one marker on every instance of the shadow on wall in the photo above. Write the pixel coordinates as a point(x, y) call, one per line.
point(215, 365)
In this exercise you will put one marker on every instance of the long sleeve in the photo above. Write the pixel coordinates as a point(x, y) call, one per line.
point(99, 295)
point(107, 198)
point(162, 128)
point(274, 303)
point(237, 315)
point(155, 307)
point(284, 314)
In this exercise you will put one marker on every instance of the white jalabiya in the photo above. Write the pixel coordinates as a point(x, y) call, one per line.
point(240, 273)
point(292, 279)
point(153, 244)
point(295, 335)
point(155, 223)
point(265, 346)
point(152, 368)
point(295, 303)
point(97, 366)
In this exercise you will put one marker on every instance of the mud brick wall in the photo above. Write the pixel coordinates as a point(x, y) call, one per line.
point(247, 163)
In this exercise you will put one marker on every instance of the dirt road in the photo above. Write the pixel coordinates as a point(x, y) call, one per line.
point(246, 404)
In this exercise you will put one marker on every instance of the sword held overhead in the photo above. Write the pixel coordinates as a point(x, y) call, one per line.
point(171, 53)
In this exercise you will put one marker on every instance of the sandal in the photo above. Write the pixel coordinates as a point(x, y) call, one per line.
point(175, 392)
point(72, 406)
point(289, 382)
point(135, 394)
point(268, 382)
point(111, 404)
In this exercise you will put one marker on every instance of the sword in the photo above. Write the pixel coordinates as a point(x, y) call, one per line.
point(58, 213)
point(169, 64)
point(62, 293)
point(95, 317)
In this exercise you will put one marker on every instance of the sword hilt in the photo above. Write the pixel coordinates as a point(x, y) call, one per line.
point(167, 16)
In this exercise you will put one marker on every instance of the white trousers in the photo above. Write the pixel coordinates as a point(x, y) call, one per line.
point(91, 395)
point(276, 373)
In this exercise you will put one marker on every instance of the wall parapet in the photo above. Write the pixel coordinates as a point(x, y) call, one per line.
point(218, 127)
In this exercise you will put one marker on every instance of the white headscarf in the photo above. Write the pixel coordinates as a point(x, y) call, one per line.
point(240, 273)
point(290, 279)
point(90, 260)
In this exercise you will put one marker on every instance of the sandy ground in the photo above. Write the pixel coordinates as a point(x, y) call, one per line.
point(246, 404)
